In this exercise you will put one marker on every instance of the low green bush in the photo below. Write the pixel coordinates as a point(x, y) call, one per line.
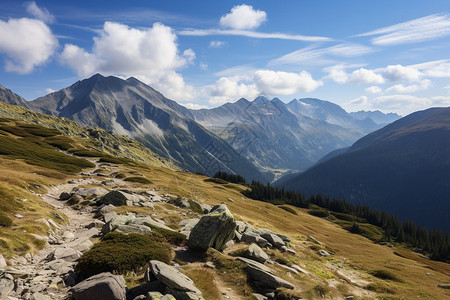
point(288, 209)
point(319, 213)
point(165, 235)
point(385, 275)
point(216, 180)
point(137, 179)
point(120, 253)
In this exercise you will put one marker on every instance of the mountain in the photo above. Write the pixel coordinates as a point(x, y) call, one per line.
point(403, 168)
point(376, 116)
point(8, 97)
point(272, 135)
point(130, 107)
point(333, 114)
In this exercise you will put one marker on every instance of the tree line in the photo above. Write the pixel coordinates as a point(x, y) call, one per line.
point(436, 243)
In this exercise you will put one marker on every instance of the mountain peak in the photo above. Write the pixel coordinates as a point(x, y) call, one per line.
point(261, 100)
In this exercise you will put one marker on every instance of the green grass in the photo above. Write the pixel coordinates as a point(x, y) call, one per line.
point(216, 180)
point(168, 236)
point(321, 213)
point(195, 207)
point(121, 253)
point(5, 221)
point(385, 275)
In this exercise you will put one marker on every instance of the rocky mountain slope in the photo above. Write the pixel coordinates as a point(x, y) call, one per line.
point(403, 168)
point(272, 134)
point(129, 107)
point(128, 231)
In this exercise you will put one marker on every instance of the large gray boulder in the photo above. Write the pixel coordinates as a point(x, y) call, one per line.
point(101, 286)
point(275, 240)
point(6, 287)
point(89, 192)
point(213, 230)
point(117, 198)
point(265, 279)
point(171, 277)
point(256, 253)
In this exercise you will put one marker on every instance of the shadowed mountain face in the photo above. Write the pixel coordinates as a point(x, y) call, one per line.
point(7, 96)
point(403, 168)
point(276, 135)
point(129, 107)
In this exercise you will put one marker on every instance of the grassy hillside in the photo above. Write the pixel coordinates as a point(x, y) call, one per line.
point(356, 265)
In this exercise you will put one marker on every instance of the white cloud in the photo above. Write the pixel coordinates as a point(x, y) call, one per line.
point(216, 44)
point(362, 76)
point(401, 73)
point(402, 104)
point(373, 89)
point(49, 90)
point(314, 55)
point(229, 90)
point(27, 43)
point(194, 106)
point(447, 88)
point(284, 83)
point(253, 34)
point(360, 101)
point(243, 17)
point(337, 73)
point(417, 30)
point(400, 88)
point(39, 13)
point(203, 66)
point(150, 54)
point(441, 70)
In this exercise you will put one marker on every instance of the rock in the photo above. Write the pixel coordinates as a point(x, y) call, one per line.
point(290, 269)
point(349, 298)
point(18, 216)
point(39, 296)
point(117, 198)
point(275, 240)
point(213, 230)
point(206, 208)
point(6, 287)
point(444, 286)
point(228, 244)
point(182, 202)
point(95, 224)
point(107, 209)
point(314, 240)
point(53, 223)
point(65, 253)
point(67, 235)
point(265, 279)
point(141, 229)
point(259, 296)
point(182, 295)
point(210, 264)
point(109, 216)
point(251, 237)
point(144, 289)
point(291, 251)
point(81, 244)
point(154, 296)
point(254, 263)
point(58, 216)
point(57, 264)
point(231, 200)
point(256, 253)
point(3, 263)
point(64, 196)
point(100, 286)
point(89, 192)
point(171, 277)
point(299, 269)
point(285, 238)
point(323, 253)
point(241, 226)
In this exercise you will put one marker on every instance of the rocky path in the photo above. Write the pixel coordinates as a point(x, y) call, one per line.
point(49, 273)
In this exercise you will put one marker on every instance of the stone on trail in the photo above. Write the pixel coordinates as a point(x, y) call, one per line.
point(100, 286)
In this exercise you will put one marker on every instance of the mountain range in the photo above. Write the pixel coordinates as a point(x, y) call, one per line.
point(403, 168)
point(255, 139)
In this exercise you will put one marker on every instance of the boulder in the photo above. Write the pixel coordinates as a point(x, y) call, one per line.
point(64, 196)
point(100, 286)
point(39, 296)
point(444, 286)
point(117, 198)
point(213, 230)
point(107, 209)
point(285, 238)
point(252, 237)
point(141, 229)
point(323, 253)
point(275, 240)
point(6, 287)
point(65, 253)
point(265, 279)
point(256, 253)
point(89, 192)
point(251, 262)
point(182, 295)
point(3, 263)
point(206, 208)
point(171, 277)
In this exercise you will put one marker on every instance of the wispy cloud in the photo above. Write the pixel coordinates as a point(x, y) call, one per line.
point(417, 30)
point(253, 34)
point(216, 44)
point(322, 55)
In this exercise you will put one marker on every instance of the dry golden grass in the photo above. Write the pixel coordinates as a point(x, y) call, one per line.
point(354, 251)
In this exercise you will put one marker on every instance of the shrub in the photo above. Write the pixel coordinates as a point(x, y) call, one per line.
point(216, 180)
point(385, 275)
point(166, 235)
point(137, 179)
point(195, 207)
point(342, 216)
point(114, 160)
point(120, 253)
point(288, 209)
point(319, 213)
point(60, 142)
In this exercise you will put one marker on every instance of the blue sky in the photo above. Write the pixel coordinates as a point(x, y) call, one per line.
point(388, 55)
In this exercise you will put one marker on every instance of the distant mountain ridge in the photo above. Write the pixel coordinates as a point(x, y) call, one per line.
point(130, 107)
point(251, 138)
point(403, 168)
